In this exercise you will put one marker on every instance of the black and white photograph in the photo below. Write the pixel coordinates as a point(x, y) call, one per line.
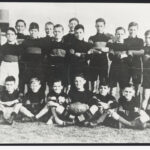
point(74, 73)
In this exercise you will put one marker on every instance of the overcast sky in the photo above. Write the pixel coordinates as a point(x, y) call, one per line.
point(114, 14)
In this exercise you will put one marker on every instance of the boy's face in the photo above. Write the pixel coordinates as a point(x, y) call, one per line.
point(35, 85)
point(72, 25)
point(128, 93)
point(58, 33)
point(100, 26)
point(79, 82)
point(133, 31)
point(120, 35)
point(79, 34)
point(20, 27)
point(49, 29)
point(147, 39)
point(11, 36)
point(57, 87)
point(104, 90)
point(10, 86)
point(34, 33)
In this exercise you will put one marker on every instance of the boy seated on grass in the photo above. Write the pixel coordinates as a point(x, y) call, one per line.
point(129, 113)
point(34, 99)
point(82, 105)
point(57, 102)
point(11, 102)
point(106, 104)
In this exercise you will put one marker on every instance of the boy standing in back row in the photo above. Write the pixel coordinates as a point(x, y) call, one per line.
point(70, 36)
point(99, 61)
point(78, 54)
point(146, 73)
point(56, 56)
point(134, 47)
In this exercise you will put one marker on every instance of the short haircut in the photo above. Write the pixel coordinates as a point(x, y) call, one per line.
point(34, 25)
point(10, 78)
point(80, 75)
point(104, 83)
point(49, 23)
point(79, 26)
point(11, 29)
point(120, 28)
point(74, 19)
point(35, 79)
point(147, 33)
point(59, 26)
point(100, 20)
point(57, 80)
point(129, 85)
point(20, 20)
point(131, 24)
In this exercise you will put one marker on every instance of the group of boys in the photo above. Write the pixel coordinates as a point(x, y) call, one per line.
point(82, 84)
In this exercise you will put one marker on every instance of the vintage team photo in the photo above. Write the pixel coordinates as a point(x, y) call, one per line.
point(74, 73)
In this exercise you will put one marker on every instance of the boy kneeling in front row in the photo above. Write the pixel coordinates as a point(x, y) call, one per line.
point(11, 102)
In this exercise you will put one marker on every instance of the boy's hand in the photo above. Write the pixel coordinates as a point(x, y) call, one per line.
point(146, 57)
point(90, 51)
point(136, 109)
point(78, 54)
point(68, 100)
point(105, 49)
point(28, 102)
point(72, 51)
point(61, 100)
point(130, 53)
point(104, 105)
point(123, 55)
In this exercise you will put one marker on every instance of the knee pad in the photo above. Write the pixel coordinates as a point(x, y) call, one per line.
point(60, 109)
point(144, 117)
point(93, 109)
point(115, 115)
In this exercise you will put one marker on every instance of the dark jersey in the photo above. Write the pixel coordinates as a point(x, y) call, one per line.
point(99, 38)
point(129, 105)
point(57, 53)
point(22, 36)
point(146, 67)
point(52, 96)
point(80, 47)
point(99, 59)
point(6, 97)
point(81, 96)
point(147, 52)
point(134, 44)
point(37, 98)
point(10, 52)
point(117, 47)
point(32, 51)
point(69, 38)
point(107, 99)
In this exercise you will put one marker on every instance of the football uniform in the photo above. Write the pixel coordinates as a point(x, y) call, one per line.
point(136, 64)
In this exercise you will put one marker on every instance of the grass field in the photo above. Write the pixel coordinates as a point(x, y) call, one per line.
point(42, 133)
